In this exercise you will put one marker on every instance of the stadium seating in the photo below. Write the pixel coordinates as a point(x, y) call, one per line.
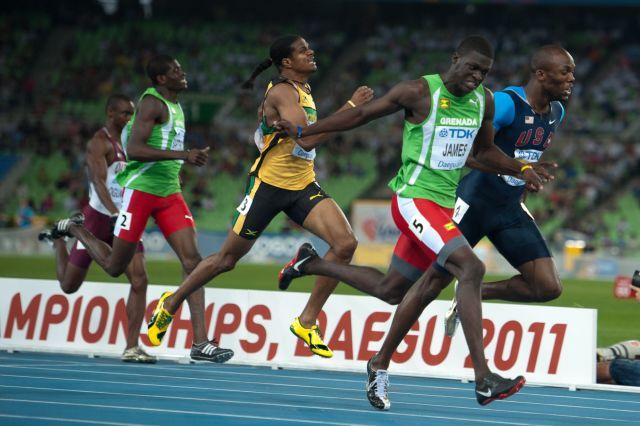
point(594, 147)
point(7, 162)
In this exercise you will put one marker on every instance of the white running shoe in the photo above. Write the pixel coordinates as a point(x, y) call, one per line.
point(137, 354)
point(378, 388)
point(61, 227)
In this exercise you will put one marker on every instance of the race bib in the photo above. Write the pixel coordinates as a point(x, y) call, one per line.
point(178, 140)
point(115, 191)
point(459, 210)
point(418, 225)
point(258, 138)
point(245, 205)
point(526, 156)
point(123, 221)
point(451, 147)
point(301, 153)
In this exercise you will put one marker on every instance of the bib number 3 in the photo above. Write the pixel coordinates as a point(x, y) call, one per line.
point(245, 205)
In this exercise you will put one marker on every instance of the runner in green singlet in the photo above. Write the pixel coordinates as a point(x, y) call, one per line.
point(447, 118)
point(154, 144)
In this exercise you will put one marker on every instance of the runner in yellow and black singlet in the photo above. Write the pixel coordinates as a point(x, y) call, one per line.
point(282, 179)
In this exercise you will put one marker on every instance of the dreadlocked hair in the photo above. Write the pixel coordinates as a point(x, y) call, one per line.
point(280, 49)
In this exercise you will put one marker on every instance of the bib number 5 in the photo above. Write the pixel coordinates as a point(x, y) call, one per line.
point(418, 225)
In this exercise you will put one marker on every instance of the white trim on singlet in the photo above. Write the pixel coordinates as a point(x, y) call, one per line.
point(110, 181)
point(166, 129)
point(481, 100)
point(141, 171)
point(428, 130)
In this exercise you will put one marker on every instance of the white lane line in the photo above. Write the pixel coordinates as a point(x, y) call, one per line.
point(308, 379)
point(242, 402)
point(69, 420)
point(296, 420)
point(202, 388)
point(89, 373)
point(226, 372)
point(315, 395)
point(19, 357)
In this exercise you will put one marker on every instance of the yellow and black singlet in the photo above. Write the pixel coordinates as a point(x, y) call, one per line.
point(282, 162)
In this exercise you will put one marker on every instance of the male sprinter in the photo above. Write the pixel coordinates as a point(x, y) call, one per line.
point(282, 179)
point(444, 115)
point(490, 206)
point(154, 143)
point(105, 158)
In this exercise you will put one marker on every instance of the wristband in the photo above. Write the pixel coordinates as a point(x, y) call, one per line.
point(525, 167)
point(350, 102)
point(299, 134)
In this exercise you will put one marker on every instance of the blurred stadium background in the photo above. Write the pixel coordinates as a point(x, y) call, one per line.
point(61, 60)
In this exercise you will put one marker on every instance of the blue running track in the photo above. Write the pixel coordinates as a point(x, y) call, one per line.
point(54, 389)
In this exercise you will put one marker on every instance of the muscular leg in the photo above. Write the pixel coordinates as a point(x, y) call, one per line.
point(423, 292)
point(184, 244)
point(113, 260)
point(69, 276)
point(233, 249)
point(328, 222)
point(538, 281)
point(468, 269)
point(137, 301)
point(62, 258)
point(390, 287)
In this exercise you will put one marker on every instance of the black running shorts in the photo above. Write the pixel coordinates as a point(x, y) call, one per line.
point(262, 202)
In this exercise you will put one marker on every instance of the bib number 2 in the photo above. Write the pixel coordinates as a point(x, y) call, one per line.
point(124, 221)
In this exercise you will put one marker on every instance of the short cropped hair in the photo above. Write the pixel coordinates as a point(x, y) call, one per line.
point(114, 99)
point(475, 43)
point(543, 56)
point(158, 65)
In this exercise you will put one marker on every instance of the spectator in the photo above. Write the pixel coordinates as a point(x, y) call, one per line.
point(619, 364)
point(25, 213)
point(47, 203)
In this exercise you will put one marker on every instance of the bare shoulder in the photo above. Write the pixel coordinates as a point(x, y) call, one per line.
point(99, 140)
point(410, 94)
point(282, 92)
point(150, 105)
point(99, 134)
point(150, 109)
point(412, 90)
point(417, 87)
